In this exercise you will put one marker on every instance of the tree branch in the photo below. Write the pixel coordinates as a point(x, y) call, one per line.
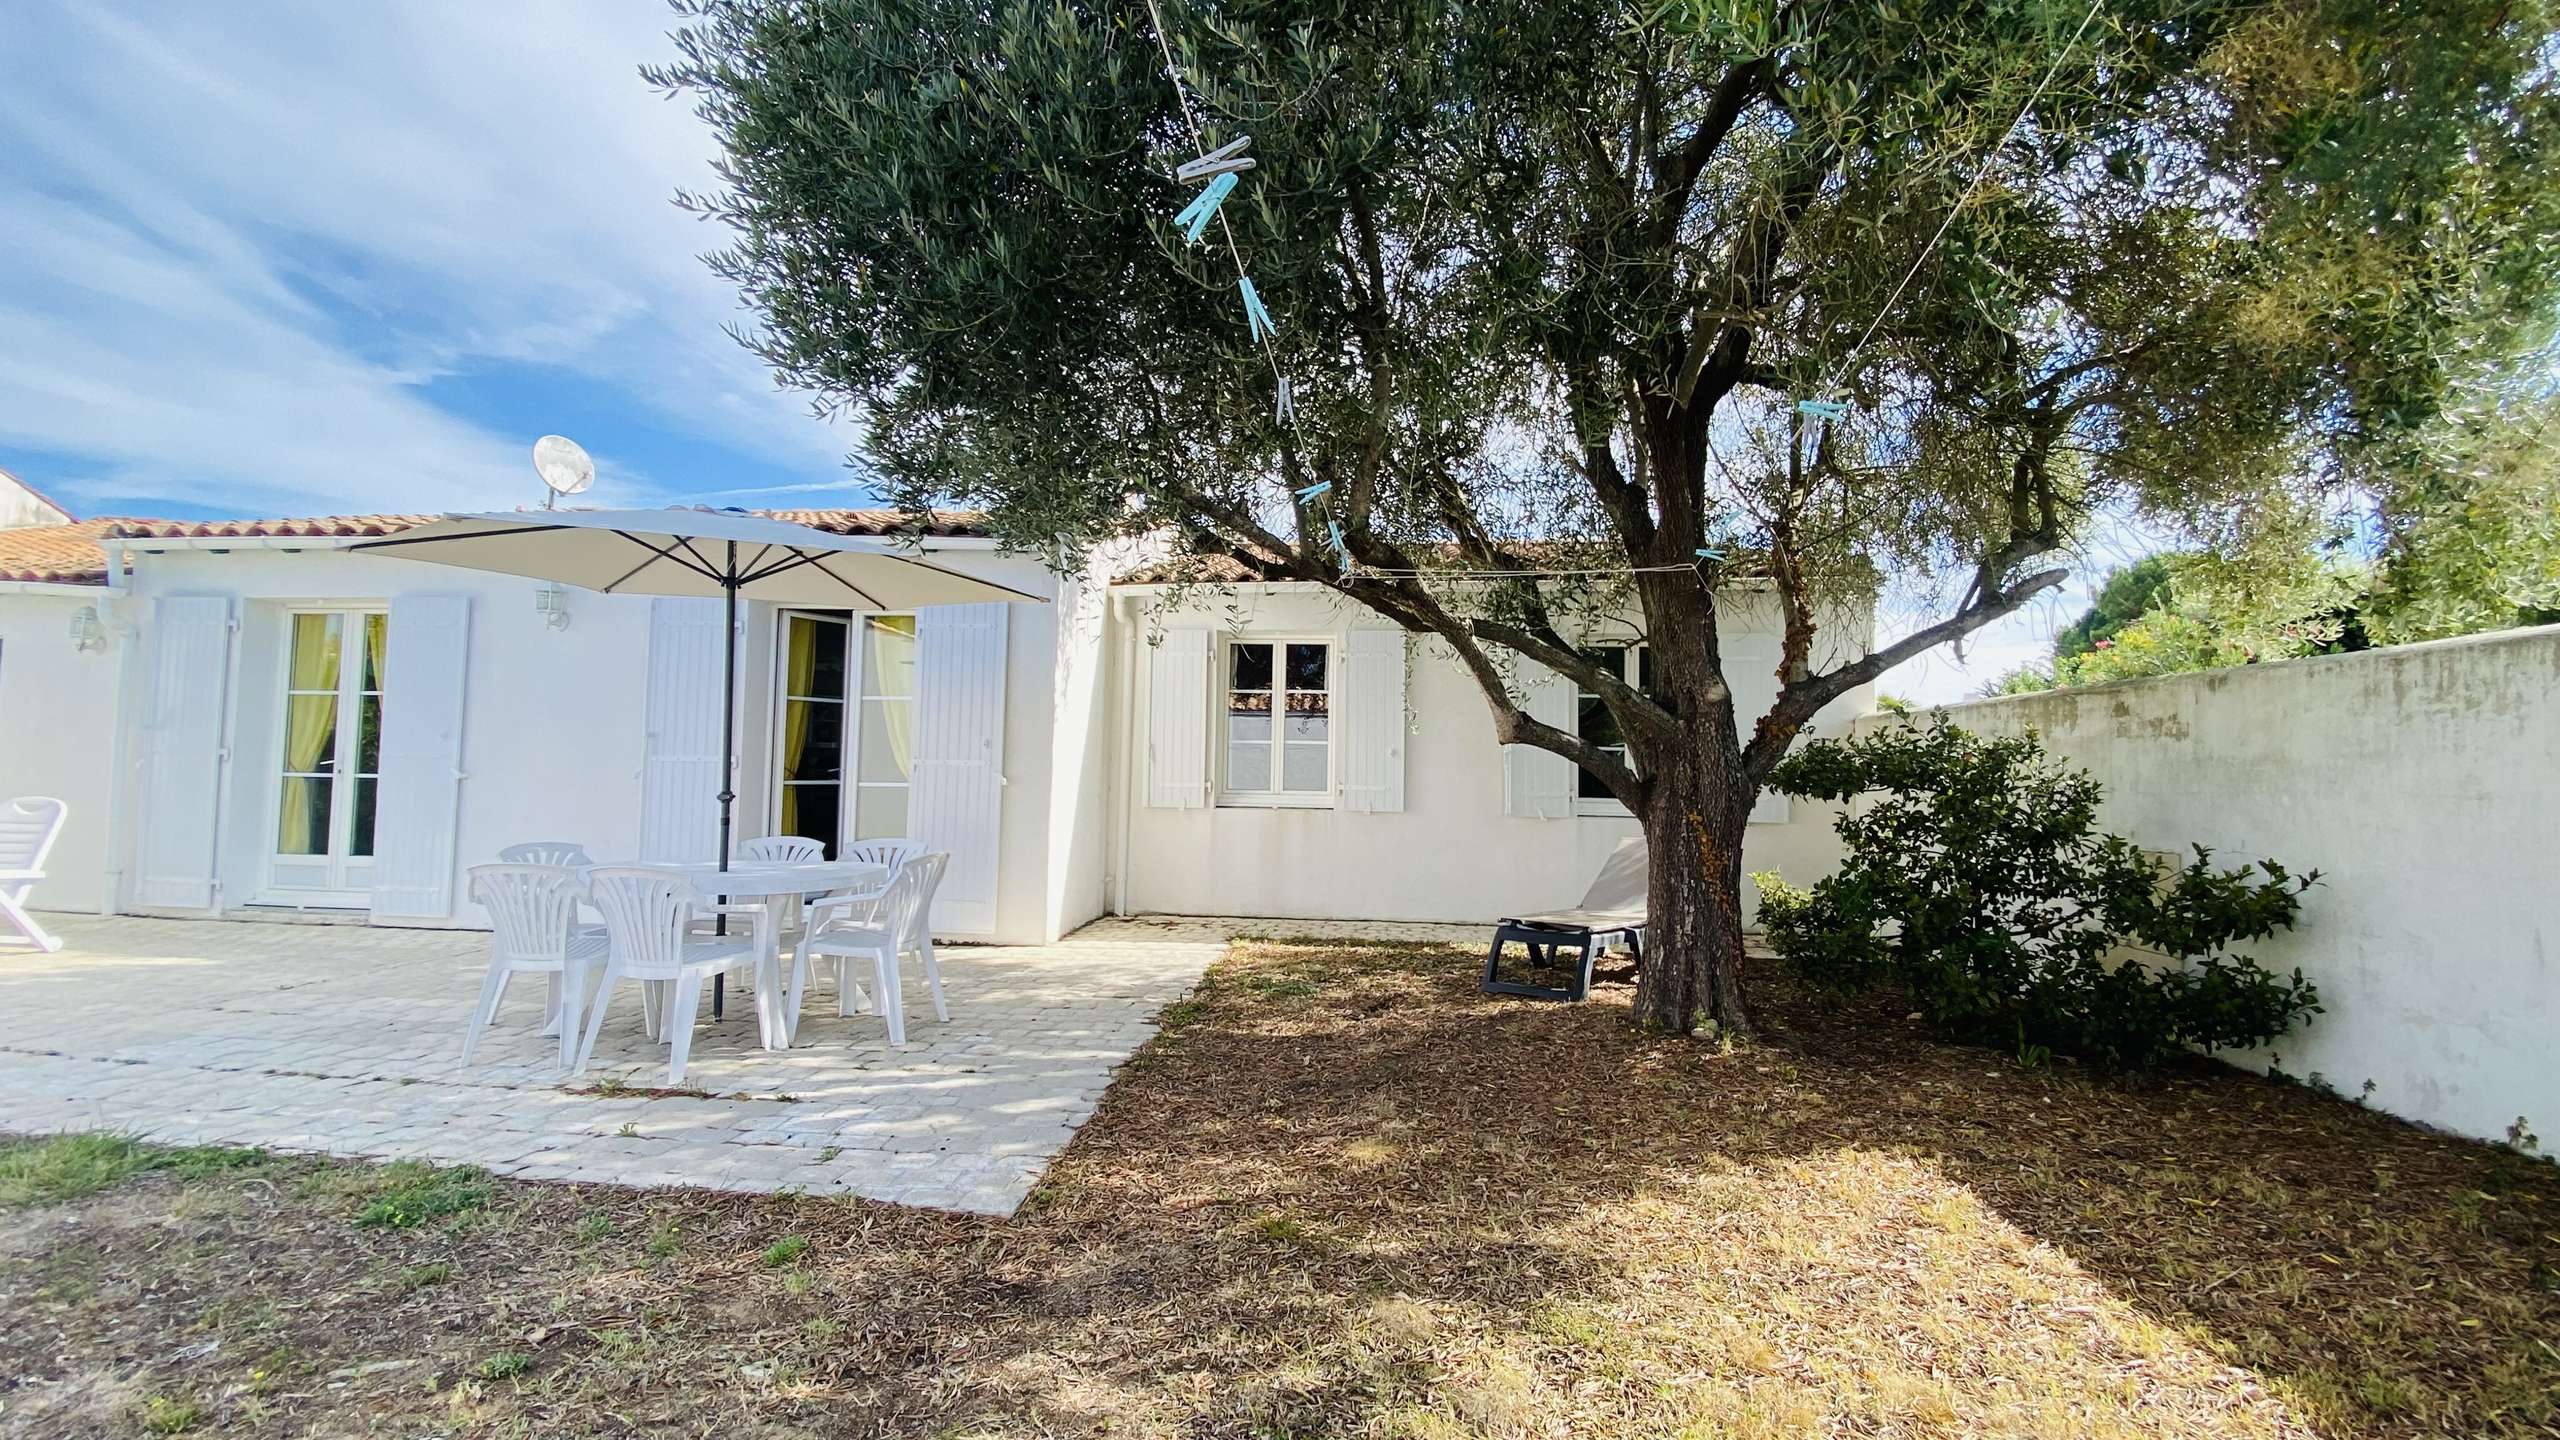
point(1777, 730)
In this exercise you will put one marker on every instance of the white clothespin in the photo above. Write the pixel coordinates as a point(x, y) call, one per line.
point(1225, 160)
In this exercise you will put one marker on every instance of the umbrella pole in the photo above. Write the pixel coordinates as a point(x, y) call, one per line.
point(728, 746)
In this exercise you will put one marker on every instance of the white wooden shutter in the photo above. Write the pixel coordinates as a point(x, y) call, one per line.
point(1751, 672)
point(1178, 719)
point(1372, 720)
point(680, 760)
point(957, 803)
point(182, 743)
point(426, 657)
point(1540, 783)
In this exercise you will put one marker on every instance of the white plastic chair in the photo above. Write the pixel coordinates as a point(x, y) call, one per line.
point(646, 917)
point(553, 852)
point(533, 927)
point(784, 850)
point(28, 827)
point(891, 856)
point(897, 923)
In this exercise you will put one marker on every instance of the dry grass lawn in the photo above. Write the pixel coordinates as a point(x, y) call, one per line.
point(1344, 1195)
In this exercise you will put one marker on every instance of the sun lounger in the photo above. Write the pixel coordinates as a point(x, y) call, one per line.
point(1612, 912)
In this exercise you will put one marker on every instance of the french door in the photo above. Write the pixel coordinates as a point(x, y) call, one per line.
point(329, 761)
point(845, 757)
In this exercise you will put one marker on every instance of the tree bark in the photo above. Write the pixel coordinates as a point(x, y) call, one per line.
point(1691, 978)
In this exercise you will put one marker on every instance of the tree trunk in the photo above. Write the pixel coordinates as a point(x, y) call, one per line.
point(1693, 825)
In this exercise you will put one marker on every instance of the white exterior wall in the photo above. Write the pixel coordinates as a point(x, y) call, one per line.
point(20, 505)
point(2423, 782)
point(55, 705)
point(553, 727)
point(1451, 854)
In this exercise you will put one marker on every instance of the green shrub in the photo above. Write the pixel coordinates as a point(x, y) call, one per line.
point(1976, 878)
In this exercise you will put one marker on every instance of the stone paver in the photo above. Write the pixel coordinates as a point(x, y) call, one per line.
point(348, 1040)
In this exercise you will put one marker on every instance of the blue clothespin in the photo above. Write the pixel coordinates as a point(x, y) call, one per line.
point(1333, 529)
point(1822, 409)
point(1312, 491)
point(1710, 552)
point(1195, 216)
point(1257, 321)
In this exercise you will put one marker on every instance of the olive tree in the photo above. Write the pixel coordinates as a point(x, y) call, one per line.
point(1552, 278)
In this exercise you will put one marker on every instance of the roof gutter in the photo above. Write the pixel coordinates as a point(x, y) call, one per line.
point(53, 587)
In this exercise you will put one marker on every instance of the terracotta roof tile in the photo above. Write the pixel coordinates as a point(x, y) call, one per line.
point(314, 527)
point(55, 554)
point(945, 523)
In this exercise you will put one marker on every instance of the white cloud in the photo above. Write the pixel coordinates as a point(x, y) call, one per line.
point(239, 242)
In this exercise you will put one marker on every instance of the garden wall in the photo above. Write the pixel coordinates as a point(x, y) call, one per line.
point(2423, 781)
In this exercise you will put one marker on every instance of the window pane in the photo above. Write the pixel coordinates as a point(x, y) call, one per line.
point(1250, 667)
point(813, 659)
point(369, 735)
point(812, 740)
point(1302, 768)
point(361, 841)
point(302, 820)
point(1596, 724)
point(1249, 766)
point(889, 657)
point(377, 634)
point(313, 664)
point(888, 739)
point(310, 732)
point(880, 812)
point(1306, 667)
point(1644, 668)
point(811, 810)
point(1249, 745)
point(1589, 784)
point(1306, 720)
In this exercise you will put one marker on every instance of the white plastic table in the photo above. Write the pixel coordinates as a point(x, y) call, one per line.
point(753, 881)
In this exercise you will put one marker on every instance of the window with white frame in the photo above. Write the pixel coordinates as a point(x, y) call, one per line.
point(1599, 728)
point(1278, 740)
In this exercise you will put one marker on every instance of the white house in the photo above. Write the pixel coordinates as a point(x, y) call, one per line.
point(248, 720)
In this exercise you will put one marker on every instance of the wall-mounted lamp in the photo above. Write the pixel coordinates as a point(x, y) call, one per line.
point(551, 602)
point(87, 632)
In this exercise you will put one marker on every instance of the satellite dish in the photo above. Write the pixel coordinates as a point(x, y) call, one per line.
point(563, 466)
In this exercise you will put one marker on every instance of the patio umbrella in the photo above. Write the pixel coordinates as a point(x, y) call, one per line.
point(728, 554)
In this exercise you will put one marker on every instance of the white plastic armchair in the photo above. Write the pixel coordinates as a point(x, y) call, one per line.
point(899, 922)
point(647, 916)
point(533, 927)
point(552, 852)
point(891, 856)
point(28, 827)
point(783, 849)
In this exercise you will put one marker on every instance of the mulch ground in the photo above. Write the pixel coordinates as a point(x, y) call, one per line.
point(1344, 1195)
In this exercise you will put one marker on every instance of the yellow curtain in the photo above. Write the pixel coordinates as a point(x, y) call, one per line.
point(377, 642)
point(894, 655)
point(310, 722)
point(802, 672)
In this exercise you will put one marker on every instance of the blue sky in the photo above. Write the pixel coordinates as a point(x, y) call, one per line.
point(356, 257)
point(321, 258)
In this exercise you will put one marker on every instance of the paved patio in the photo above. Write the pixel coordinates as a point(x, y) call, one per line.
point(347, 1040)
